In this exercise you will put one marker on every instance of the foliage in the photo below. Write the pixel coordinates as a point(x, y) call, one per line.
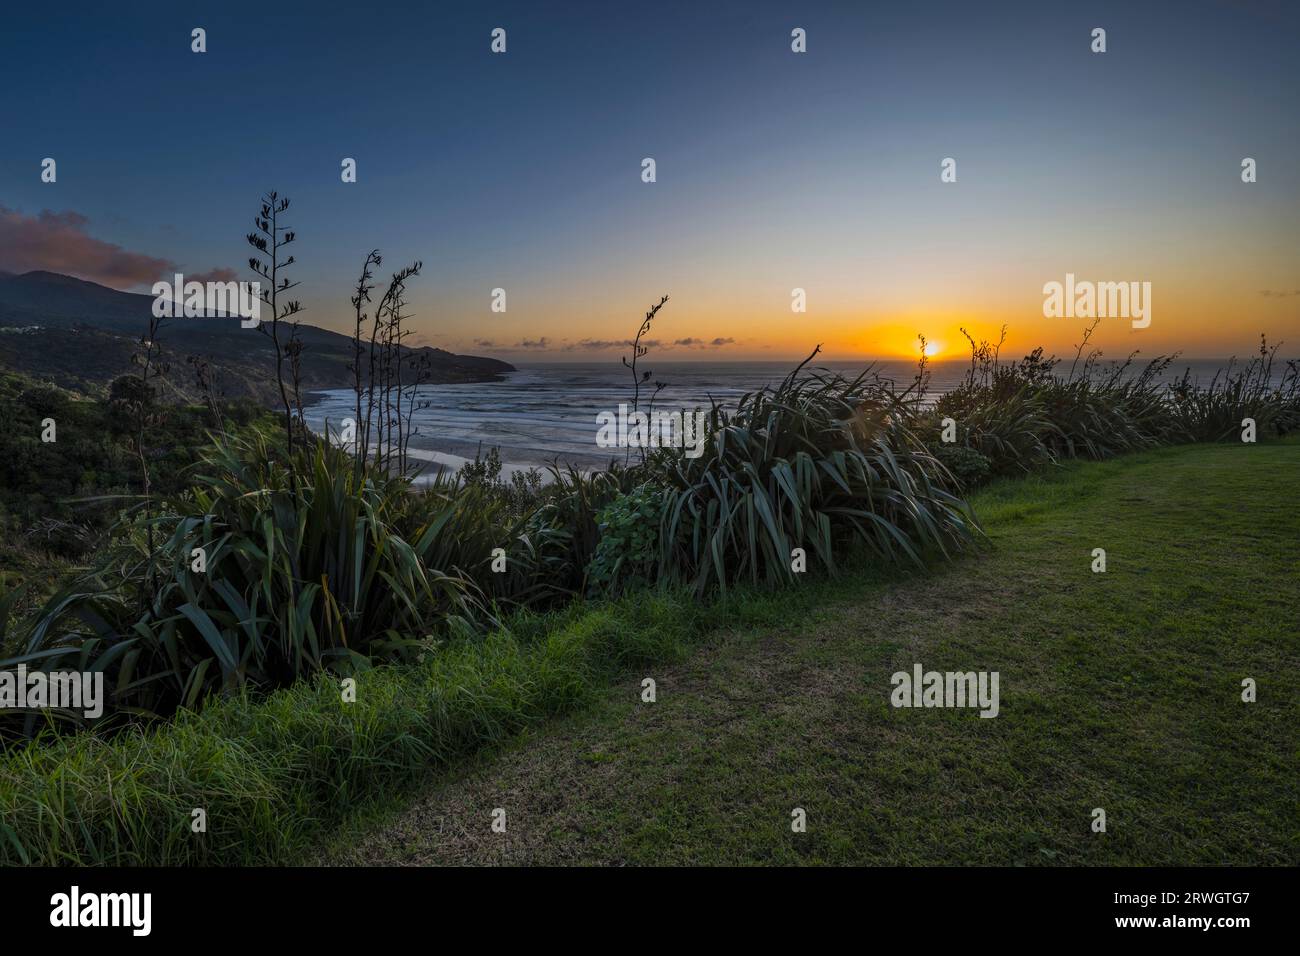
point(61, 496)
point(318, 560)
point(627, 552)
point(814, 464)
point(281, 772)
point(519, 493)
point(966, 465)
point(306, 566)
point(277, 771)
point(1023, 415)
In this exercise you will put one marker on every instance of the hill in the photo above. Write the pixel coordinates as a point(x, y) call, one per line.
point(81, 335)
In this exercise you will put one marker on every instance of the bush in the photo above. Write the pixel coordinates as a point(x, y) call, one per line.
point(310, 564)
point(1022, 416)
point(1215, 412)
point(816, 464)
point(968, 466)
point(320, 563)
point(627, 556)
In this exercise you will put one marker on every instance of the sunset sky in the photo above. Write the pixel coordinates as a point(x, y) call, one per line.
point(775, 170)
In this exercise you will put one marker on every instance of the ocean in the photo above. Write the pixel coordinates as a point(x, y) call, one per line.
point(546, 412)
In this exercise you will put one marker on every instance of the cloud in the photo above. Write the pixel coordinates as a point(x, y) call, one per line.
point(598, 345)
point(694, 343)
point(1270, 294)
point(215, 275)
point(59, 242)
point(602, 345)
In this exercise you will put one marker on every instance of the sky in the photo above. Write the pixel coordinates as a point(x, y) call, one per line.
point(775, 170)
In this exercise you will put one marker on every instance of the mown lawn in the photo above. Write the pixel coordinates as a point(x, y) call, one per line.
point(1119, 690)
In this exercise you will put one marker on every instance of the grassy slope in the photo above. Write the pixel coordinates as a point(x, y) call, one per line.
point(1118, 690)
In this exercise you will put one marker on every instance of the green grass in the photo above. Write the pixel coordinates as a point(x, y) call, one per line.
point(1118, 690)
point(275, 774)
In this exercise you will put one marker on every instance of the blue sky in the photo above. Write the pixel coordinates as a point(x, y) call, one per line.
point(775, 170)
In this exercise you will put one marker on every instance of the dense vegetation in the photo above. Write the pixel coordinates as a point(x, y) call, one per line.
point(206, 556)
point(1022, 415)
point(315, 559)
point(59, 497)
point(224, 567)
point(1120, 690)
point(798, 679)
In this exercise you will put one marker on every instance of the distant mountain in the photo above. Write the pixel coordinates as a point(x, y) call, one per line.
point(81, 335)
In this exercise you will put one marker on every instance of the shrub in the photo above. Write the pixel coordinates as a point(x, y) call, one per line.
point(627, 555)
point(310, 564)
point(1215, 412)
point(320, 563)
point(1022, 416)
point(816, 463)
point(968, 466)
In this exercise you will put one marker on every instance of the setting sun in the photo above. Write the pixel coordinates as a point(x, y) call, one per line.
point(932, 349)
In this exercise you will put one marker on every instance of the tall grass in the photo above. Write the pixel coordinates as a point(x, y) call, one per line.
point(273, 774)
point(267, 570)
point(318, 561)
point(812, 465)
point(1023, 415)
point(1214, 412)
point(547, 536)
